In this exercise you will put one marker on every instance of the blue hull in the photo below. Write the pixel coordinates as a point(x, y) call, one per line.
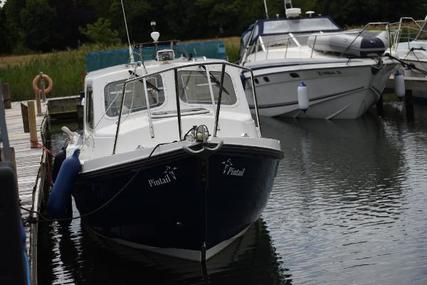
point(178, 200)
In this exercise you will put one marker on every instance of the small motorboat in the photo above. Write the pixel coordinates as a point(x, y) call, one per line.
point(171, 160)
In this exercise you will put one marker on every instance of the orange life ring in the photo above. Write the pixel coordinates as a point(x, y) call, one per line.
point(37, 80)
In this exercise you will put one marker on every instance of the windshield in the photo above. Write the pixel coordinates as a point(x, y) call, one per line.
point(194, 87)
point(298, 26)
point(422, 35)
point(134, 96)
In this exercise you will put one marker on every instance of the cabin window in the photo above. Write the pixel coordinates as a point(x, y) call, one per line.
point(194, 87)
point(134, 96)
point(89, 107)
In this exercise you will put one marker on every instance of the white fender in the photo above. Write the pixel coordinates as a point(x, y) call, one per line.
point(399, 84)
point(303, 100)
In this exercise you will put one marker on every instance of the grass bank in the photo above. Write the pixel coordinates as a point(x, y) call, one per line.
point(66, 68)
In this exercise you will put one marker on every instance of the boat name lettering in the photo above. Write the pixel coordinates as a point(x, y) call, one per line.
point(168, 176)
point(229, 170)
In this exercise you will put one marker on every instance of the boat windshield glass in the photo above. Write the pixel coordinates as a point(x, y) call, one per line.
point(299, 26)
point(422, 35)
point(285, 40)
point(134, 96)
point(194, 87)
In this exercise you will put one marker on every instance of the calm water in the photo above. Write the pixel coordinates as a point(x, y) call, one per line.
point(348, 207)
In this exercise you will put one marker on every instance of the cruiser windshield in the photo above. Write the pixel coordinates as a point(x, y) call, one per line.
point(299, 26)
point(134, 96)
point(194, 87)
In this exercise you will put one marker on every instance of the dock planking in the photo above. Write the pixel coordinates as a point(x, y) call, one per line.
point(27, 158)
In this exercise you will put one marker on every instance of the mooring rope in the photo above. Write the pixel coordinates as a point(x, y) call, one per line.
point(94, 211)
point(408, 65)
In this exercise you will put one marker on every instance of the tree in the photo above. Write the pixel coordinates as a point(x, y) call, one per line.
point(101, 32)
point(71, 15)
point(13, 25)
point(38, 20)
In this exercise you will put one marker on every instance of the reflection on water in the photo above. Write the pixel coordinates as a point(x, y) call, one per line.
point(348, 207)
point(349, 202)
point(78, 256)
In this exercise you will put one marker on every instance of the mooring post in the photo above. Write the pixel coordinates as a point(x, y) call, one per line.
point(6, 96)
point(39, 104)
point(24, 113)
point(409, 105)
point(12, 246)
point(380, 106)
point(32, 124)
point(3, 130)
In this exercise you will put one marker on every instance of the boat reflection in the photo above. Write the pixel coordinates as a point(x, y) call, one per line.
point(84, 258)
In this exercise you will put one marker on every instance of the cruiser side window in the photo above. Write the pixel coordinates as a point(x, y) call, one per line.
point(89, 107)
point(134, 96)
point(194, 87)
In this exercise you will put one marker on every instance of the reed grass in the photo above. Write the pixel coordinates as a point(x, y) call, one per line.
point(66, 68)
point(232, 48)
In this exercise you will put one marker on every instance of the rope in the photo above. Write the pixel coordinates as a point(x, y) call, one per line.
point(87, 214)
point(94, 211)
point(407, 65)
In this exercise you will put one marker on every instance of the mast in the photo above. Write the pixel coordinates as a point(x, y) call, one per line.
point(131, 58)
point(266, 9)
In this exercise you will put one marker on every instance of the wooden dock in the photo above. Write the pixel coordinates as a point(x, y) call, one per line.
point(31, 164)
point(27, 158)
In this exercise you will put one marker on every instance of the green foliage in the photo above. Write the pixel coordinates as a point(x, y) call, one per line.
point(100, 32)
point(54, 24)
point(38, 20)
point(67, 70)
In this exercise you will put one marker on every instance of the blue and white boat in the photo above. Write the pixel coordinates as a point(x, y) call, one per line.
point(182, 175)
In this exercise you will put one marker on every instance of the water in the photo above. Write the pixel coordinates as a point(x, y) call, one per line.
point(348, 207)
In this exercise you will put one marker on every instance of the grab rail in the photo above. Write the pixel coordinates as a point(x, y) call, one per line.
point(175, 70)
point(289, 38)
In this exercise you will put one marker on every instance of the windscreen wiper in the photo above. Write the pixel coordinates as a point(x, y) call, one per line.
point(148, 82)
point(215, 80)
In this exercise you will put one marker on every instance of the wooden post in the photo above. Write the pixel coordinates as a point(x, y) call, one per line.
point(11, 246)
point(380, 107)
point(24, 113)
point(39, 104)
point(32, 124)
point(409, 104)
point(6, 96)
point(4, 136)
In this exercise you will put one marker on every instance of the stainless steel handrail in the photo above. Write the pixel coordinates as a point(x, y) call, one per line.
point(175, 70)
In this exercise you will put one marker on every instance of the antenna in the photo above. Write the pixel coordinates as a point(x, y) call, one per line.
point(266, 9)
point(132, 60)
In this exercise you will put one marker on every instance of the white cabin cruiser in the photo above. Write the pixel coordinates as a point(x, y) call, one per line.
point(412, 51)
point(183, 175)
point(341, 73)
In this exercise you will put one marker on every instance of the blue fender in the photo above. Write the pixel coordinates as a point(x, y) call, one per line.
point(59, 203)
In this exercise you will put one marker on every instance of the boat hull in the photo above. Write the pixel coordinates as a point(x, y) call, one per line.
point(341, 92)
point(176, 202)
